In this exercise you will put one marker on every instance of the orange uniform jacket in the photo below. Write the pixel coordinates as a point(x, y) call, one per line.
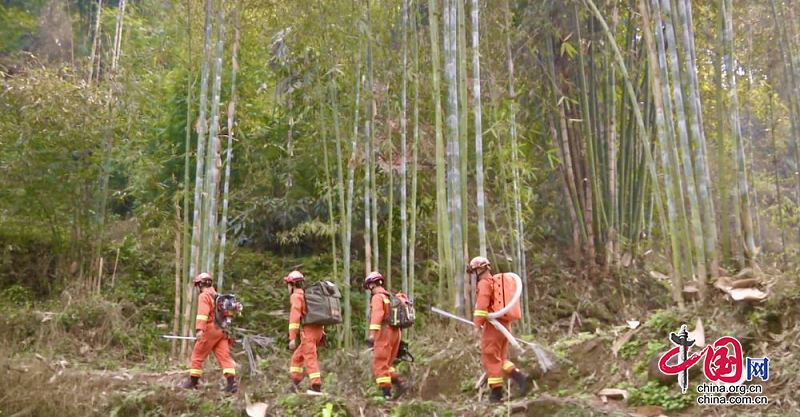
point(494, 345)
point(387, 340)
point(310, 338)
point(213, 339)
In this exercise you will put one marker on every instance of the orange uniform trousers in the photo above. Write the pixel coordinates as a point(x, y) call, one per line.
point(217, 341)
point(494, 354)
point(306, 355)
point(387, 344)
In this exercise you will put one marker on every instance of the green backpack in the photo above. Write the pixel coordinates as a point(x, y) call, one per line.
point(401, 311)
point(323, 305)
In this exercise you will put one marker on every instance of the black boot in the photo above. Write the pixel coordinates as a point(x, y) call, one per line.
point(400, 388)
point(387, 393)
point(522, 381)
point(232, 385)
point(497, 395)
point(292, 389)
point(191, 383)
point(316, 387)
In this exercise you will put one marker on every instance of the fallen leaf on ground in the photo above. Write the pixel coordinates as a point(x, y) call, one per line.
point(613, 393)
point(622, 340)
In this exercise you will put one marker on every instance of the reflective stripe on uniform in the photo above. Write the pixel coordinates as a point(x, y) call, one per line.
point(201, 317)
point(482, 313)
point(294, 326)
point(231, 371)
point(385, 380)
point(195, 372)
point(386, 301)
point(507, 365)
point(495, 381)
point(315, 375)
point(392, 370)
point(295, 370)
point(374, 326)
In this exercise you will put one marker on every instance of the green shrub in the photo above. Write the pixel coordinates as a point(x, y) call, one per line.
point(666, 397)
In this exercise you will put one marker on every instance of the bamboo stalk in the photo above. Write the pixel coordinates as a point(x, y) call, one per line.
point(229, 158)
point(413, 217)
point(441, 201)
point(476, 96)
point(404, 159)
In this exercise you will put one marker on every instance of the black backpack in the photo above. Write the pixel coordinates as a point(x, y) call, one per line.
point(323, 305)
point(401, 311)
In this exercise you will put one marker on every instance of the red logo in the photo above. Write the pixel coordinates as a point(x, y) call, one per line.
point(721, 363)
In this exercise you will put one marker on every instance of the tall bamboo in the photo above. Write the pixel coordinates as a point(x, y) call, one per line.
point(390, 219)
point(723, 189)
point(197, 218)
point(404, 158)
point(476, 97)
point(703, 174)
point(413, 218)
point(454, 149)
point(186, 287)
point(469, 285)
point(329, 193)
point(677, 283)
point(212, 157)
point(368, 249)
point(344, 221)
point(223, 233)
point(741, 177)
point(442, 229)
point(592, 189)
point(686, 152)
point(519, 225)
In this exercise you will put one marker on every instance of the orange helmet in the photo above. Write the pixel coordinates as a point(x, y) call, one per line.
point(373, 277)
point(203, 276)
point(293, 277)
point(478, 262)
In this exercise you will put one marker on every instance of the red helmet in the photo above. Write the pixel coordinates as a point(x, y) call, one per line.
point(203, 276)
point(293, 277)
point(478, 262)
point(373, 277)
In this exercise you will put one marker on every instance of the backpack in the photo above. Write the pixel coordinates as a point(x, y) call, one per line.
point(401, 311)
point(225, 309)
point(323, 306)
point(504, 286)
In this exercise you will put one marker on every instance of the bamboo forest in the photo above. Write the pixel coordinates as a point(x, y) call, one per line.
point(399, 208)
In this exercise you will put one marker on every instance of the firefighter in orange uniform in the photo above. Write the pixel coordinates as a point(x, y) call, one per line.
point(494, 345)
point(383, 338)
point(210, 338)
point(311, 336)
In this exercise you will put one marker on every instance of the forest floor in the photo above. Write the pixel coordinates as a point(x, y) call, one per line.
point(77, 361)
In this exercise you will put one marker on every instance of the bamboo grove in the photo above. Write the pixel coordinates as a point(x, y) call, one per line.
point(411, 135)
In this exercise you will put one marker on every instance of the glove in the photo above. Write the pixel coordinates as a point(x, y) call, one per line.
point(371, 342)
point(324, 340)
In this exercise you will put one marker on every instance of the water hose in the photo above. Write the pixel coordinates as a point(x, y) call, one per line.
point(544, 360)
